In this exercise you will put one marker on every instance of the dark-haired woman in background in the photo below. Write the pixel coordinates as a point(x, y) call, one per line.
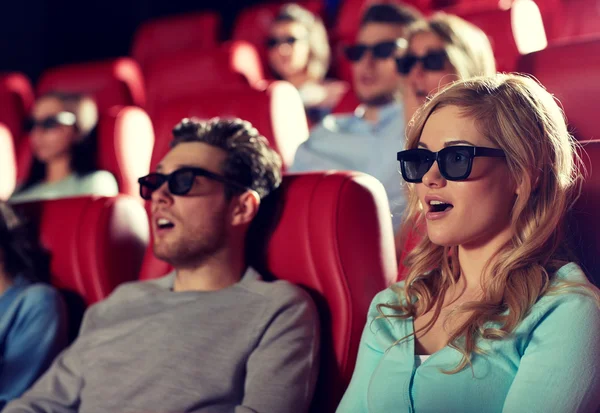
point(33, 322)
point(64, 151)
point(299, 53)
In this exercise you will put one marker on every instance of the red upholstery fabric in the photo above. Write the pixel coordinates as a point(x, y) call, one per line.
point(497, 24)
point(573, 18)
point(348, 103)
point(111, 82)
point(125, 143)
point(8, 166)
point(253, 23)
point(334, 238)
point(584, 225)
point(16, 99)
point(185, 73)
point(160, 37)
point(277, 112)
point(571, 71)
point(95, 243)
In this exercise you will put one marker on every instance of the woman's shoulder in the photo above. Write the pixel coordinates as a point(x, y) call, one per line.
point(99, 183)
point(391, 296)
point(570, 297)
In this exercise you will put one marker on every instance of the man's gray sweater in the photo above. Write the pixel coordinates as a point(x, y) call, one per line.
point(251, 347)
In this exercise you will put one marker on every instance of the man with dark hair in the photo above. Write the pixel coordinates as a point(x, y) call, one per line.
point(368, 140)
point(211, 336)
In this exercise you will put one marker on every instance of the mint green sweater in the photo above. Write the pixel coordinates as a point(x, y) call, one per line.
point(550, 364)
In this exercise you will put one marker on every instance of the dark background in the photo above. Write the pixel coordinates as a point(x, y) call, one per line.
point(39, 34)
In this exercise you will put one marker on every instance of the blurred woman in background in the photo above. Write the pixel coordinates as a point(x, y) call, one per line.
point(298, 52)
point(441, 49)
point(33, 320)
point(64, 150)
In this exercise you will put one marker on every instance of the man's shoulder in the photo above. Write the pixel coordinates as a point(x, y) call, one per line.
point(278, 293)
point(334, 123)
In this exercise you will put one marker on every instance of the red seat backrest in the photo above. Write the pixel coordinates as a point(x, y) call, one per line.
point(8, 165)
point(230, 66)
point(161, 37)
point(584, 225)
point(95, 243)
point(277, 112)
point(125, 144)
point(509, 29)
point(331, 235)
point(574, 18)
point(111, 82)
point(16, 100)
point(571, 71)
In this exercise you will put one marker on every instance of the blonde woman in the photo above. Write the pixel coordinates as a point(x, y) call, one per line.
point(442, 49)
point(493, 316)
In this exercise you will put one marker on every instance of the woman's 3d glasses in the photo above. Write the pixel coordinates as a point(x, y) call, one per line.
point(434, 61)
point(180, 182)
point(51, 122)
point(454, 162)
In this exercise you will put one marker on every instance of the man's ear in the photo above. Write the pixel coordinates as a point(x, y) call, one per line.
point(245, 208)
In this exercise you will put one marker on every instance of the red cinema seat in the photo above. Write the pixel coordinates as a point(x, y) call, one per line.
point(348, 103)
point(16, 100)
point(253, 23)
point(277, 112)
point(111, 82)
point(571, 71)
point(8, 165)
point(571, 19)
point(334, 238)
point(96, 243)
point(584, 225)
point(125, 144)
point(514, 30)
point(161, 37)
point(230, 66)
point(125, 139)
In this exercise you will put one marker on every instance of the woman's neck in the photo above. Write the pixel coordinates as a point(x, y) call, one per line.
point(58, 169)
point(298, 79)
point(476, 258)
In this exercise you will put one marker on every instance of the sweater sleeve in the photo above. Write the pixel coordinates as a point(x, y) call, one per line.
point(59, 389)
point(37, 336)
point(560, 367)
point(370, 353)
point(282, 370)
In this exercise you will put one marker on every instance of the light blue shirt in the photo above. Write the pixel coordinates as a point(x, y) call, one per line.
point(549, 364)
point(351, 143)
point(33, 330)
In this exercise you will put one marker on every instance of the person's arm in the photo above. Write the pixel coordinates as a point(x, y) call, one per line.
point(58, 390)
point(37, 336)
point(370, 353)
point(560, 367)
point(282, 370)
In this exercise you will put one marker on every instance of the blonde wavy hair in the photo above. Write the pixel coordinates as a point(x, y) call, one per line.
point(468, 48)
point(520, 117)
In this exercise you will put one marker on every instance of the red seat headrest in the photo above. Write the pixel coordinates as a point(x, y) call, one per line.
point(16, 100)
point(158, 38)
point(95, 243)
point(8, 166)
point(330, 233)
point(571, 71)
point(111, 82)
point(277, 112)
point(193, 72)
point(125, 143)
